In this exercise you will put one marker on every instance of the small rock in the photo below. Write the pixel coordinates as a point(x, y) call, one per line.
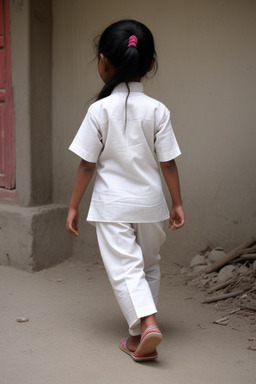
point(197, 260)
point(22, 319)
point(183, 270)
point(208, 262)
point(227, 273)
point(198, 268)
point(254, 266)
point(243, 270)
point(216, 254)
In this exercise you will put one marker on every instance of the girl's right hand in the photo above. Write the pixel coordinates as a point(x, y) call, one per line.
point(72, 222)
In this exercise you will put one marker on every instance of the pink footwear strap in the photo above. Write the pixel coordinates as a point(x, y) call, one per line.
point(150, 329)
point(123, 342)
point(149, 355)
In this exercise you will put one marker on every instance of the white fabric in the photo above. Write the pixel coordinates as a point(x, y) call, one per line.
point(130, 253)
point(127, 144)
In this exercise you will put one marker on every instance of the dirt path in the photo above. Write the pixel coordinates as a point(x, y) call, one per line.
point(75, 326)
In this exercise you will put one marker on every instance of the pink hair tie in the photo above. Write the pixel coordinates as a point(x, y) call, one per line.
point(133, 41)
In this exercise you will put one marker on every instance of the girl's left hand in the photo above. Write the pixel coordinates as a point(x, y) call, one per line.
point(177, 218)
point(72, 222)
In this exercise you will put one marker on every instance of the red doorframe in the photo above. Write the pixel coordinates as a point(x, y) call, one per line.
point(7, 134)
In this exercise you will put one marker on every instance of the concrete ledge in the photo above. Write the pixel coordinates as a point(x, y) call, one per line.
point(33, 238)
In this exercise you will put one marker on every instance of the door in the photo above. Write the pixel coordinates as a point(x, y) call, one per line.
point(7, 154)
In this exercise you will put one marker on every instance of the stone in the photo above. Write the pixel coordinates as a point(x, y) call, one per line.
point(197, 260)
point(243, 270)
point(198, 268)
point(215, 255)
point(22, 319)
point(226, 273)
point(183, 270)
point(254, 266)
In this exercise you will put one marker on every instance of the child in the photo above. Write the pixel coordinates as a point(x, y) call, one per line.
point(123, 136)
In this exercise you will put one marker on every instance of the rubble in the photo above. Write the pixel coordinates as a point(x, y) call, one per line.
point(227, 272)
point(228, 279)
point(198, 260)
point(216, 254)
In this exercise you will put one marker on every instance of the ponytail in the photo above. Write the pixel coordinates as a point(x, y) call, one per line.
point(129, 46)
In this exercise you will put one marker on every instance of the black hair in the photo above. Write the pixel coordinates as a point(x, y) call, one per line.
point(130, 62)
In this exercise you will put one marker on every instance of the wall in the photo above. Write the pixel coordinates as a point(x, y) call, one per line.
point(206, 52)
point(40, 88)
point(32, 227)
point(31, 34)
point(20, 57)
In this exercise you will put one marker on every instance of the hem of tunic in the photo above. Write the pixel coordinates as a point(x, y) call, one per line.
point(135, 221)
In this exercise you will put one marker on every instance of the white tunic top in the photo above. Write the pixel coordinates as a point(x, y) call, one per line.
point(127, 145)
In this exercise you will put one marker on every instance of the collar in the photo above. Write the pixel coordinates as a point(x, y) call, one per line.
point(134, 87)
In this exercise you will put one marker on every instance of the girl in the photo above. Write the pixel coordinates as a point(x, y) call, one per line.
point(123, 136)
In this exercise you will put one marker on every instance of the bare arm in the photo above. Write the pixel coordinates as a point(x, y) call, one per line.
point(84, 174)
point(171, 176)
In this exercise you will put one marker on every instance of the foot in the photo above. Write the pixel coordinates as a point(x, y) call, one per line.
point(133, 342)
point(150, 339)
point(135, 356)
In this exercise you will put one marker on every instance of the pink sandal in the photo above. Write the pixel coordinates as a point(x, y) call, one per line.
point(134, 355)
point(146, 350)
point(150, 339)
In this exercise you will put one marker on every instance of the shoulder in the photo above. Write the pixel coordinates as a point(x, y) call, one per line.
point(159, 109)
point(152, 102)
point(96, 106)
point(161, 106)
point(102, 108)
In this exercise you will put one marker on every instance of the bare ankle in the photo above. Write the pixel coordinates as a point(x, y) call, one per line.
point(147, 321)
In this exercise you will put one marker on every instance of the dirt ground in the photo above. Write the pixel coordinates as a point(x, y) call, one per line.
point(74, 327)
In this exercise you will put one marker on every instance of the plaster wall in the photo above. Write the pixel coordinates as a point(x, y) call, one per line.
point(206, 76)
point(31, 36)
point(32, 229)
point(33, 238)
point(20, 58)
point(40, 86)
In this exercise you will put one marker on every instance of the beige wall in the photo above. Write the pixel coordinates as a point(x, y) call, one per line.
point(207, 59)
point(32, 234)
point(20, 53)
point(31, 37)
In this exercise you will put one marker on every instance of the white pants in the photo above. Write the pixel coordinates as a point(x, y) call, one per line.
point(130, 253)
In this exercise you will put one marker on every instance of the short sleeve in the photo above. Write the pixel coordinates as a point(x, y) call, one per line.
point(166, 146)
point(87, 143)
